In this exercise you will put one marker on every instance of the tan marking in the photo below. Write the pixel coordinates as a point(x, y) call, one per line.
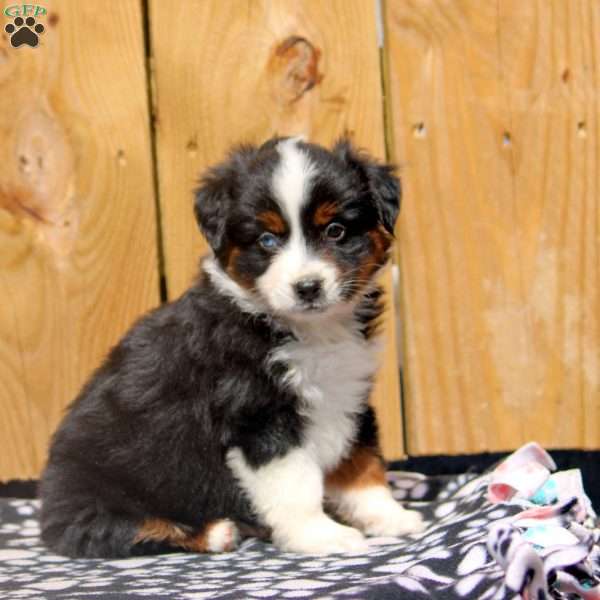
point(381, 241)
point(272, 221)
point(325, 213)
point(162, 530)
point(232, 256)
point(363, 468)
point(231, 268)
point(159, 530)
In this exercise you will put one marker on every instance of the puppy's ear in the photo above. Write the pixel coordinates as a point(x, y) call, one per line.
point(379, 179)
point(219, 188)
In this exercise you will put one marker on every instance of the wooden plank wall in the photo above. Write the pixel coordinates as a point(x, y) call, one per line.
point(262, 68)
point(493, 109)
point(77, 220)
point(490, 106)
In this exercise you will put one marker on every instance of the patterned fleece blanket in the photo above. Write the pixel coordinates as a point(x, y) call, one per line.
point(518, 531)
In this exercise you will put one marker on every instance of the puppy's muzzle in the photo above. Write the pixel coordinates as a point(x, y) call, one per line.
point(309, 289)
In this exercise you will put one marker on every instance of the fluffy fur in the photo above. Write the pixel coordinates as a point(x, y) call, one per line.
point(241, 408)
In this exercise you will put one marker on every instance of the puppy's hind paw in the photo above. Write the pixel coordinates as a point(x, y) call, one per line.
point(222, 536)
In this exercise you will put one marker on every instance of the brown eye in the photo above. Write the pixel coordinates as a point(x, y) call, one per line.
point(335, 232)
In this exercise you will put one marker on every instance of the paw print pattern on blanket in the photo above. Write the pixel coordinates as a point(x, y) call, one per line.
point(471, 548)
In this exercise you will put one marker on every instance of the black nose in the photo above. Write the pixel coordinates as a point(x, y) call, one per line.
point(308, 289)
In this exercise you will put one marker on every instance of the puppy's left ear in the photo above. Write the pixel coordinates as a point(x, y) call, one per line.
point(380, 180)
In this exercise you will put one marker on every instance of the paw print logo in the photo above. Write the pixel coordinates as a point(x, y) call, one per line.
point(24, 32)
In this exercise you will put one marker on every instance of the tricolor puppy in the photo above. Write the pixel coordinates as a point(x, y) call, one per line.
point(241, 408)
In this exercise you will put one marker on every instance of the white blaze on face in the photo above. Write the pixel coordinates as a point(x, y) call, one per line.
point(294, 261)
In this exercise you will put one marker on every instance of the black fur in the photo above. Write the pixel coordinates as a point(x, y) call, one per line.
point(148, 434)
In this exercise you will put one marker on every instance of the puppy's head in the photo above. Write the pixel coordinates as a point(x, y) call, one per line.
point(302, 229)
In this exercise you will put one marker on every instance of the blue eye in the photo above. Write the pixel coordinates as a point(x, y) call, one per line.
point(268, 241)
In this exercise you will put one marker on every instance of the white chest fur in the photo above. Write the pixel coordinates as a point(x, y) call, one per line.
point(330, 366)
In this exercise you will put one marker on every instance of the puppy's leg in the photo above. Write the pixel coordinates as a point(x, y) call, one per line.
point(221, 535)
point(359, 493)
point(287, 494)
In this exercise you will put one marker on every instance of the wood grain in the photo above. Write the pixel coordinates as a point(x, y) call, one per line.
point(226, 72)
point(77, 218)
point(494, 108)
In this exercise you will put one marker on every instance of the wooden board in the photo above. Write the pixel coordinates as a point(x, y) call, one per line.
point(77, 219)
point(226, 72)
point(493, 107)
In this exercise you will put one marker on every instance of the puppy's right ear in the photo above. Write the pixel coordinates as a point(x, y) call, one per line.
point(219, 187)
point(377, 178)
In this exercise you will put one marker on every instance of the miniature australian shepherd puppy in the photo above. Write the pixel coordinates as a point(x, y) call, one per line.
point(241, 408)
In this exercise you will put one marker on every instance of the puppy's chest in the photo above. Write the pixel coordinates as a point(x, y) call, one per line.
point(331, 370)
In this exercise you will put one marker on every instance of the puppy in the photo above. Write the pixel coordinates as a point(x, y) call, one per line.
point(241, 408)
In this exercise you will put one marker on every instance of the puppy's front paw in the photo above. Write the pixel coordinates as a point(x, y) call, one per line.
point(374, 511)
point(321, 535)
point(393, 521)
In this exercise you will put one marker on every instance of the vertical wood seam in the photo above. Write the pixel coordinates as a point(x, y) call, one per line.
point(506, 90)
point(152, 103)
point(396, 299)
